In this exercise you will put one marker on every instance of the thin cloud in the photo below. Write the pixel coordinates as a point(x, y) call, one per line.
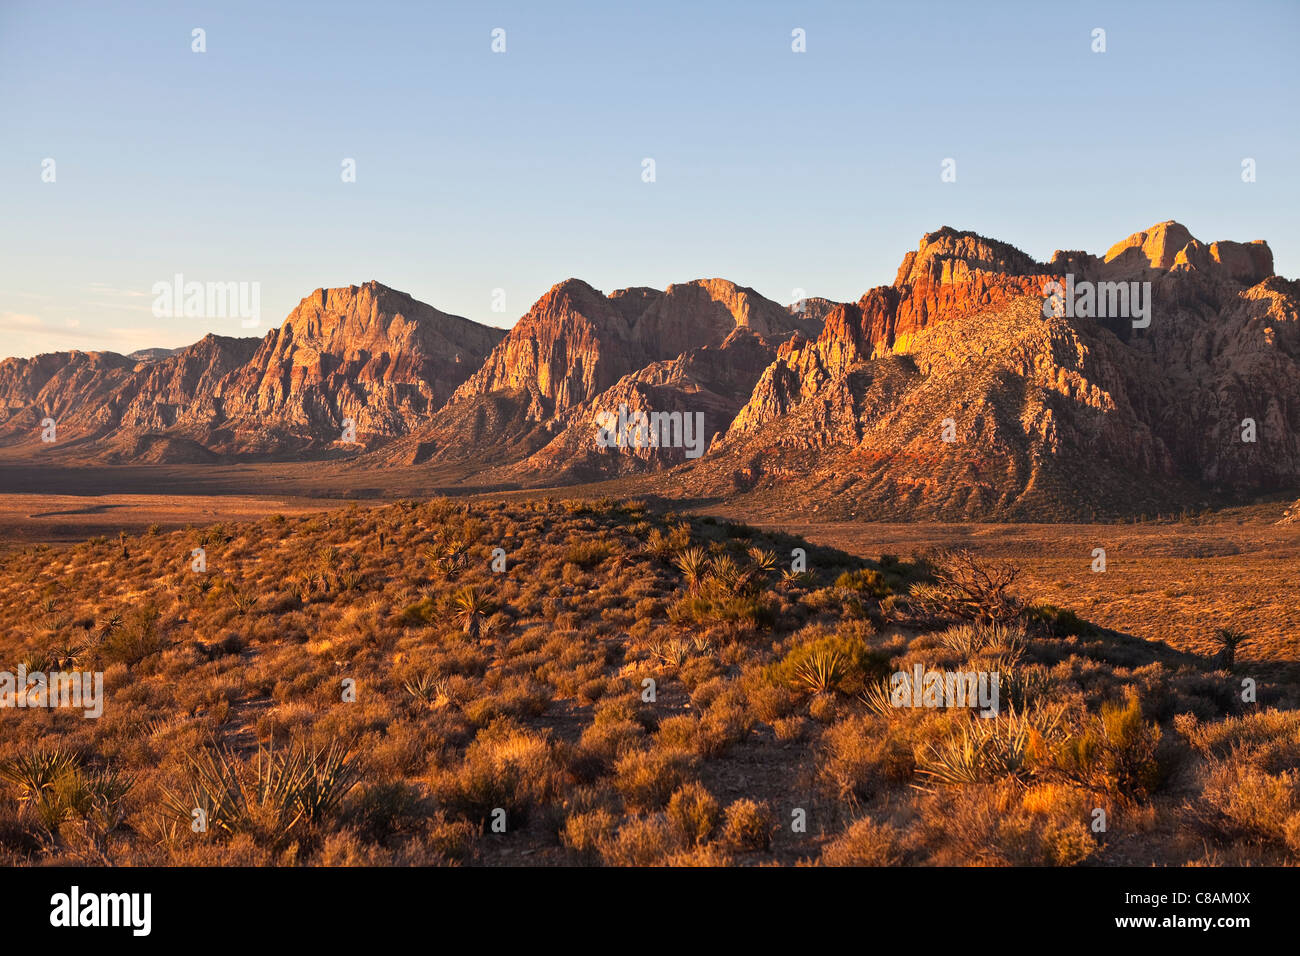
point(102, 288)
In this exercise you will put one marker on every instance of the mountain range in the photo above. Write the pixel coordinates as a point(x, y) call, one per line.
point(954, 392)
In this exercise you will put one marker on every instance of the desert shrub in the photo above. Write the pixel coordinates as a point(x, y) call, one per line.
point(864, 843)
point(381, 810)
point(646, 779)
point(694, 813)
point(1268, 739)
point(135, 641)
point(707, 854)
point(771, 702)
point(1247, 803)
point(857, 759)
point(423, 611)
point(587, 554)
point(866, 580)
point(751, 611)
point(970, 587)
point(839, 663)
point(1117, 752)
point(585, 832)
point(748, 826)
point(506, 766)
point(642, 841)
point(663, 545)
point(1058, 622)
point(724, 724)
point(605, 741)
point(988, 826)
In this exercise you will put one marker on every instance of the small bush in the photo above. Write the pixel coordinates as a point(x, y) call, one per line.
point(836, 663)
point(748, 826)
point(694, 813)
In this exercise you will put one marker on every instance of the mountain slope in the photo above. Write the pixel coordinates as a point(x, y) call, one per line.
point(1050, 416)
point(365, 353)
point(576, 344)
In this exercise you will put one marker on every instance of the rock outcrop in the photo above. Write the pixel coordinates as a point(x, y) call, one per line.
point(574, 342)
point(951, 393)
point(365, 353)
point(1148, 416)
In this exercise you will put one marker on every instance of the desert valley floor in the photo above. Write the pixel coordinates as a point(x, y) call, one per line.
point(1171, 581)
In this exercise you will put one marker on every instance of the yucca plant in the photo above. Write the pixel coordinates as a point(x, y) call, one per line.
point(822, 670)
point(971, 639)
point(989, 749)
point(421, 688)
point(1228, 641)
point(98, 796)
point(801, 579)
point(763, 559)
point(54, 785)
point(240, 597)
point(449, 556)
point(322, 778)
point(215, 788)
point(429, 690)
point(703, 646)
point(67, 653)
point(471, 605)
point(726, 571)
point(673, 652)
point(732, 578)
point(35, 774)
point(693, 563)
point(1024, 685)
point(272, 798)
point(879, 699)
point(107, 626)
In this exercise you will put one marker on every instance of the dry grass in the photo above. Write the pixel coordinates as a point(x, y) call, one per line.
point(360, 687)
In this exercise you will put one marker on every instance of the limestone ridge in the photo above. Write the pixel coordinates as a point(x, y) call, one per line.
point(367, 353)
point(1055, 416)
point(838, 406)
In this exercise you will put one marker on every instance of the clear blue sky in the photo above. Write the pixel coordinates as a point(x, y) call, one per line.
point(478, 171)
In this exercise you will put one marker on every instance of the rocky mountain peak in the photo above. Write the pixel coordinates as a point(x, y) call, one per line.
point(947, 255)
point(1170, 247)
point(1157, 246)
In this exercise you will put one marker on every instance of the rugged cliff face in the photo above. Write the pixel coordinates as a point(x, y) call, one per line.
point(575, 343)
point(58, 385)
point(1055, 415)
point(1166, 376)
point(694, 397)
point(576, 349)
point(367, 353)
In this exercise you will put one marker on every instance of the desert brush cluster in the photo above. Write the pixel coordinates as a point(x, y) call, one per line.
point(602, 682)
